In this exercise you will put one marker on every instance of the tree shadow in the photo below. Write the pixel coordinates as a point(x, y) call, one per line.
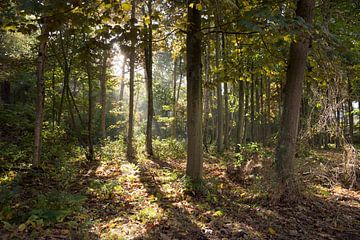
point(236, 217)
point(178, 223)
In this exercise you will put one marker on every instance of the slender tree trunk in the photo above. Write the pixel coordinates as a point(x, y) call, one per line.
point(207, 94)
point(246, 118)
point(90, 153)
point(130, 147)
point(240, 126)
point(103, 93)
point(40, 96)
point(226, 116)
point(149, 82)
point(268, 108)
point(295, 75)
point(252, 108)
point(350, 112)
point(194, 167)
point(220, 117)
point(173, 127)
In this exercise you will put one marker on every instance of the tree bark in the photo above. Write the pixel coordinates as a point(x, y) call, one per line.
point(130, 147)
point(173, 125)
point(194, 167)
point(103, 93)
point(219, 98)
point(295, 75)
point(149, 83)
point(90, 153)
point(240, 126)
point(40, 96)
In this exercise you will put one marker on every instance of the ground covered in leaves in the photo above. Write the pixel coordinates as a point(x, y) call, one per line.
point(112, 198)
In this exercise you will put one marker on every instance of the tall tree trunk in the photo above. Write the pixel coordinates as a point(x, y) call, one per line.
point(130, 147)
point(207, 94)
point(219, 98)
point(350, 112)
point(40, 96)
point(295, 75)
point(173, 125)
point(226, 116)
point(268, 108)
point(103, 93)
point(240, 126)
point(194, 167)
point(90, 153)
point(149, 82)
point(252, 108)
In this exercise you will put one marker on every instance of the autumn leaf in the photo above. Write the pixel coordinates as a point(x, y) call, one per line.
point(126, 6)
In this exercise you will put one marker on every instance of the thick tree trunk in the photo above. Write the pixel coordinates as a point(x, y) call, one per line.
point(149, 82)
point(40, 96)
point(295, 75)
point(130, 147)
point(103, 94)
point(194, 167)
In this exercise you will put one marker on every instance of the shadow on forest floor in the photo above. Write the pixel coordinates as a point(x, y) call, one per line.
point(148, 200)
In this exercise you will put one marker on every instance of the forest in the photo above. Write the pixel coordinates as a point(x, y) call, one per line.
point(180, 119)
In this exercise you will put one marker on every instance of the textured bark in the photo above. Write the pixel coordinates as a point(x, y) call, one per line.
point(226, 116)
point(295, 75)
point(219, 100)
point(350, 112)
point(240, 123)
point(194, 167)
point(130, 147)
point(90, 153)
point(173, 125)
point(40, 96)
point(149, 83)
point(103, 94)
point(207, 94)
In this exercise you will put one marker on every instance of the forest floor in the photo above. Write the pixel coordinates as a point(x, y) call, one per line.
point(113, 198)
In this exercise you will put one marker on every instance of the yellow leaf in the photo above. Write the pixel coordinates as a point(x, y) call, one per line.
point(199, 7)
point(271, 231)
point(147, 20)
point(22, 227)
point(126, 6)
point(191, 5)
point(287, 38)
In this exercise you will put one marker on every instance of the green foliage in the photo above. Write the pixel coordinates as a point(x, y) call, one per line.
point(105, 189)
point(248, 152)
point(112, 150)
point(54, 206)
point(169, 148)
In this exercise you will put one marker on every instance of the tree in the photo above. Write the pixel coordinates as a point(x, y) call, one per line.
point(295, 75)
point(130, 147)
point(149, 80)
point(194, 167)
point(40, 96)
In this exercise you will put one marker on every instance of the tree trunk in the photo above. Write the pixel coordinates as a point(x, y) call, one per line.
point(194, 167)
point(295, 75)
point(240, 126)
point(103, 94)
point(173, 125)
point(40, 97)
point(220, 117)
point(130, 147)
point(90, 153)
point(149, 82)
point(350, 112)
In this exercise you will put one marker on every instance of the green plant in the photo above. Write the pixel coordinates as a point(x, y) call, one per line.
point(169, 148)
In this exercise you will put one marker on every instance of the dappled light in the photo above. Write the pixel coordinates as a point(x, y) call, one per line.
point(177, 120)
